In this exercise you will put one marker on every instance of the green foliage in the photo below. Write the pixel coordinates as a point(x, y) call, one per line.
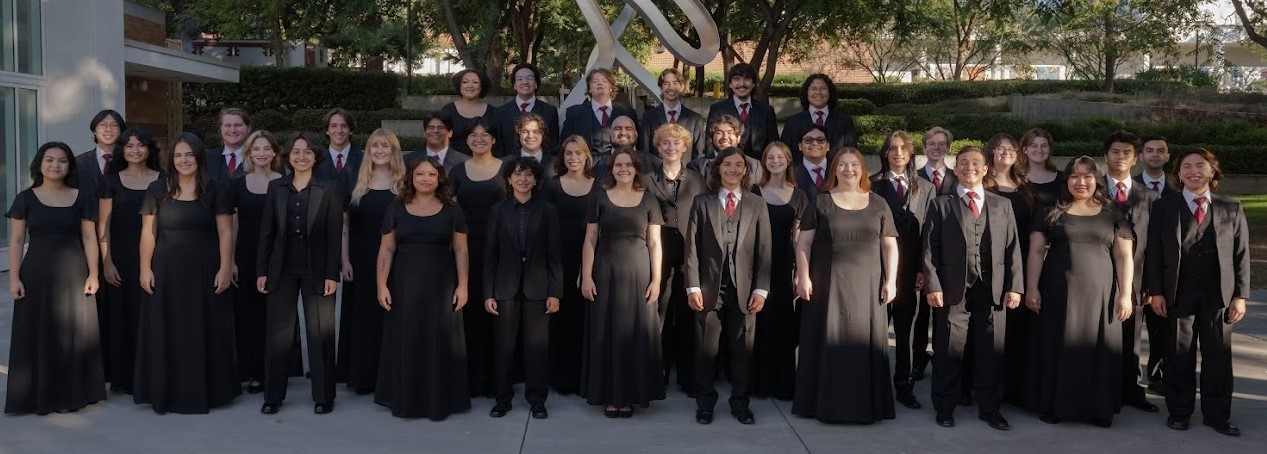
point(1186, 74)
point(878, 124)
point(938, 91)
point(287, 89)
point(856, 106)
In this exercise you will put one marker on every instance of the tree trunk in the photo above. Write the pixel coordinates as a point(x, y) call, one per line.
point(1110, 52)
point(455, 32)
point(279, 45)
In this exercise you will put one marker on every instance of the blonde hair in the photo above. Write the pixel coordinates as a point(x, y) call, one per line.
point(276, 164)
point(396, 163)
point(672, 131)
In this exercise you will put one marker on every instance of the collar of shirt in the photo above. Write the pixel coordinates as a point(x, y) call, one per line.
point(929, 170)
point(721, 195)
point(334, 154)
point(1113, 184)
point(980, 193)
point(1191, 197)
point(1148, 180)
point(228, 151)
point(439, 153)
point(598, 113)
point(540, 154)
point(738, 102)
point(813, 112)
point(532, 102)
point(677, 109)
point(101, 159)
point(809, 166)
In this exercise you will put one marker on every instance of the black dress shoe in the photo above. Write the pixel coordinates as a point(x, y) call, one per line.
point(538, 411)
point(704, 416)
point(626, 413)
point(1049, 418)
point(322, 409)
point(254, 388)
point(1143, 405)
point(611, 413)
point(907, 399)
point(1177, 423)
point(744, 416)
point(995, 421)
point(946, 420)
point(1103, 423)
point(270, 408)
point(499, 410)
point(1225, 428)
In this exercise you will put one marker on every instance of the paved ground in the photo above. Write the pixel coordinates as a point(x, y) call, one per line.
point(119, 426)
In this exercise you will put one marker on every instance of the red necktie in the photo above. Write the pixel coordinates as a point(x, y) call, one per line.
point(673, 117)
point(1120, 198)
point(233, 163)
point(819, 120)
point(818, 178)
point(937, 179)
point(1200, 214)
point(743, 112)
point(523, 107)
point(972, 204)
point(730, 204)
point(603, 109)
point(901, 187)
point(106, 158)
point(338, 163)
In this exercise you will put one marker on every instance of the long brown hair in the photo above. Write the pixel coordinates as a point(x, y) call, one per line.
point(1022, 159)
point(1065, 201)
point(1209, 157)
point(201, 180)
point(864, 183)
point(443, 192)
point(610, 181)
point(778, 147)
point(1015, 173)
point(561, 167)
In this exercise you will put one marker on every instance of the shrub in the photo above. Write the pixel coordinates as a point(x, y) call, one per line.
point(856, 107)
point(1185, 74)
point(878, 124)
point(287, 89)
point(271, 120)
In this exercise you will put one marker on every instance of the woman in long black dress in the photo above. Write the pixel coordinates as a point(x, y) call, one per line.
point(571, 193)
point(361, 331)
point(476, 188)
point(779, 323)
point(846, 265)
point(122, 190)
point(1040, 173)
point(186, 362)
point(422, 372)
point(1080, 307)
point(620, 274)
point(469, 109)
point(53, 294)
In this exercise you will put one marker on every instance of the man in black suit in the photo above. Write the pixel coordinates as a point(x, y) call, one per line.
point(438, 134)
point(760, 125)
point(1134, 202)
point(819, 99)
point(728, 248)
point(1155, 155)
point(811, 171)
point(624, 134)
point(531, 130)
point(107, 126)
point(1197, 278)
point(226, 162)
point(345, 157)
point(973, 273)
point(724, 132)
point(524, 79)
point(672, 111)
point(936, 145)
point(585, 119)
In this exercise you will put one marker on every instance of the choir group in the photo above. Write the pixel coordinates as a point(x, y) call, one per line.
point(611, 255)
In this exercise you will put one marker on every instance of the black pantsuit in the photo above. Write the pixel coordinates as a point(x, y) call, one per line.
point(908, 312)
point(978, 324)
point(1205, 332)
point(280, 336)
point(526, 319)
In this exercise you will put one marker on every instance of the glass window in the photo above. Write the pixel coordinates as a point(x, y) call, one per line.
point(21, 36)
point(8, 167)
point(8, 21)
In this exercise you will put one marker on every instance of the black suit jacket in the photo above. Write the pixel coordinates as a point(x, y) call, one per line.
point(1139, 203)
point(908, 212)
point(840, 132)
point(1165, 246)
point(1166, 188)
point(677, 211)
point(705, 257)
point(949, 182)
point(89, 173)
point(509, 264)
point(507, 114)
point(655, 117)
point(347, 178)
point(325, 231)
point(218, 169)
point(946, 249)
point(451, 159)
point(805, 181)
point(580, 120)
point(761, 127)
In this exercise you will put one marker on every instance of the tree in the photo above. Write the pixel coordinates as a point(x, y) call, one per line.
point(1253, 18)
point(278, 21)
point(956, 35)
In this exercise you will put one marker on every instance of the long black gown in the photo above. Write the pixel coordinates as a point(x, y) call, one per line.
point(476, 198)
point(124, 301)
point(843, 373)
point(361, 324)
point(186, 357)
point(1081, 338)
point(621, 362)
point(567, 326)
point(779, 323)
point(54, 350)
point(1021, 348)
point(422, 372)
point(1046, 194)
point(461, 125)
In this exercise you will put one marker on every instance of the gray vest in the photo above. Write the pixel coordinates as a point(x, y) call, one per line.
point(978, 237)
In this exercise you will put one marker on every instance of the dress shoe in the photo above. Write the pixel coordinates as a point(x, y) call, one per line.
point(1143, 404)
point(1103, 423)
point(270, 408)
point(704, 416)
point(254, 388)
point(538, 411)
point(611, 412)
point(626, 413)
point(907, 398)
point(995, 420)
point(1177, 423)
point(744, 416)
point(1225, 428)
point(946, 420)
point(1049, 418)
point(322, 409)
point(499, 410)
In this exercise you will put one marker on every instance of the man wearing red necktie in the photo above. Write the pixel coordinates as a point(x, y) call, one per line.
point(525, 79)
point(760, 125)
point(673, 111)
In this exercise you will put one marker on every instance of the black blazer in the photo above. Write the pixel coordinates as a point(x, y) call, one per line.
point(89, 171)
point(580, 120)
point(507, 114)
point(325, 231)
point(1166, 188)
point(840, 132)
point(655, 117)
point(1165, 246)
point(946, 248)
point(805, 181)
point(761, 127)
point(949, 182)
point(908, 213)
point(677, 211)
point(347, 178)
point(451, 159)
point(1139, 203)
point(218, 169)
point(705, 257)
point(537, 266)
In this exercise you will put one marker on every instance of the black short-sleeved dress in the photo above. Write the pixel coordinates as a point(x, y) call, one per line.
point(621, 362)
point(1046, 194)
point(361, 322)
point(54, 351)
point(123, 302)
point(463, 124)
point(1021, 343)
point(248, 303)
point(186, 356)
point(422, 371)
point(567, 326)
point(778, 324)
point(476, 198)
point(1081, 338)
point(843, 373)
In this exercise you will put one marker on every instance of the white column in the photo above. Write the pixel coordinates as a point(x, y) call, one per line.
point(83, 67)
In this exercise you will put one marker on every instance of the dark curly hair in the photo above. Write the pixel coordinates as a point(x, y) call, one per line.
point(407, 190)
point(118, 162)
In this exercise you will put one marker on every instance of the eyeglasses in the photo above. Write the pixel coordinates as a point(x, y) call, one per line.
point(104, 125)
point(814, 140)
point(480, 135)
point(437, 128)
point(1005, 150)
point(525, 79)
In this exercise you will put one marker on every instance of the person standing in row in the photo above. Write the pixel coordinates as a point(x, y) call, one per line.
point(531, 136)
point(599, 111)
point(439, 133)
point(672, 111)
point(53, 294)
point(299, 257)
point(571, 193)
point(469, 109)
point(1035, 163)
point(91, 165)
point(1197, 278)
point(724, 132)
point(186, 359)
point(226, 162)
point(811, 170)
point(525, 79)
point(1155, 155)
point(345, 157)
point(760, 127)
point(422, 284)
point(973, 273)
point(937, 142)
point(820, 101)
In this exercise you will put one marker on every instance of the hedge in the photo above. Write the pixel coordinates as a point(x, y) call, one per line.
point(287, 89)
point(937, 91)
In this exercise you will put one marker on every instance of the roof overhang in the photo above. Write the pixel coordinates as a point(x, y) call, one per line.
point(157, 62)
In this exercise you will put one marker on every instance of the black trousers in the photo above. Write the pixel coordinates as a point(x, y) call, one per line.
point(282, 318)
point(1206, 331)
point(677, 320)
point(729, 322)
point(526, 319)
point(986, 319)
point(910, 329)
point(1158, 342)
point(1131, 331)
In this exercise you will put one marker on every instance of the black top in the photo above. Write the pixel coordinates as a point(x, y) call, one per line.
point(296, 261)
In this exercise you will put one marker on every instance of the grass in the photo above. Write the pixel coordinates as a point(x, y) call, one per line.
point(1256, 216)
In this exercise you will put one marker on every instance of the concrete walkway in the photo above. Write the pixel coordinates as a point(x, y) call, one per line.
point(358, 425)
